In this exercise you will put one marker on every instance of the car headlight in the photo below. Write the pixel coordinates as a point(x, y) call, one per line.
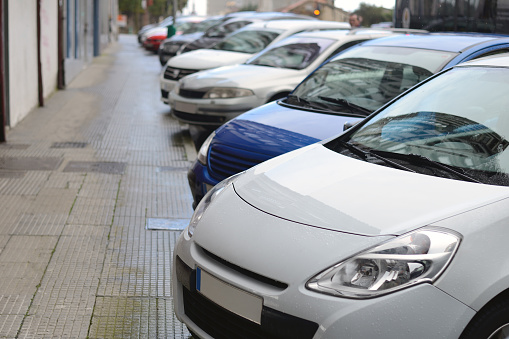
point(225, 92)
point(204, 149)
point(413, 258)
point(207, 200)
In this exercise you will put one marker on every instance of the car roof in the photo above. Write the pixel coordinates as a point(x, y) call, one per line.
point(295, 24)
point(498, 60)
point(447, 42)
point(341, 34)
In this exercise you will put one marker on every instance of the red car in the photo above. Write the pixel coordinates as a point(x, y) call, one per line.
point(153, 37)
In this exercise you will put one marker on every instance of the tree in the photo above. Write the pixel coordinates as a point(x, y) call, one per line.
point(373, 14)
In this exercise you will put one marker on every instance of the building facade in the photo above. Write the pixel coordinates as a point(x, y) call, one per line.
point(44, 44)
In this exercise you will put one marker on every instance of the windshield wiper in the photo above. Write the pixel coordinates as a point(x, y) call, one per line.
point(417, 158)
point(365, 154)
point(346, 103)
point(297, 101)
point(306, 103)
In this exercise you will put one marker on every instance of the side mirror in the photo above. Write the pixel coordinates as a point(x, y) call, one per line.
point(349, 124)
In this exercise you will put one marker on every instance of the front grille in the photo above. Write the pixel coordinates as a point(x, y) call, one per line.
point(187, 93)
point(201, 118)
point(221, 323)
point(218, 322)
point(225, 161)
point(172, 73)
point(243, 271)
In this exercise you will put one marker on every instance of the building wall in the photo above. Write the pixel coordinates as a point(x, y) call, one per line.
point(84, 21)
point(23, 71)
point(49, 45)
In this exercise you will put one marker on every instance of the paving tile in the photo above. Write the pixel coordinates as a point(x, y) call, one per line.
point(9, 325)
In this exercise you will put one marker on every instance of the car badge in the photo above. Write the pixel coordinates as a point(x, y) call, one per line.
point(175, 73)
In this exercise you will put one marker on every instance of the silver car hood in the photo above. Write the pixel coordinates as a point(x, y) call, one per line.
point(318, 187)
point(207, 58)
point(244, 76)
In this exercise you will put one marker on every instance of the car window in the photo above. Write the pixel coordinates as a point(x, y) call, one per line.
point(298, 53)
point(224, 30)
point(346, 46)
point(365, 78)
point(249, 41)
point(458, 119)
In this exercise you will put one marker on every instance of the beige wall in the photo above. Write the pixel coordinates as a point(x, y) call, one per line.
point(49, 45)
point(22, 39)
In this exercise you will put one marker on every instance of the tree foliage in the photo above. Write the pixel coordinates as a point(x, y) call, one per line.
point(373, 14)
point(156, 9)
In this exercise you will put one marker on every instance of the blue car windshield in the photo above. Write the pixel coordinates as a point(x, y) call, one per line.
point(458, 119)
point(367, 77)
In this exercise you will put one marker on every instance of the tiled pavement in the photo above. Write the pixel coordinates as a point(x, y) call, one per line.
point(79, 178)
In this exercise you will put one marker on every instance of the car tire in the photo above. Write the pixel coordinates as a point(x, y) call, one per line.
point(193, 335)
point(492, 322)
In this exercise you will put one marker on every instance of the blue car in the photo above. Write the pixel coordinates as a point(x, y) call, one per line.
point(342, 91)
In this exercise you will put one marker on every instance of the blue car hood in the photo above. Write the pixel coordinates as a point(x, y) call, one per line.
point(274, 129)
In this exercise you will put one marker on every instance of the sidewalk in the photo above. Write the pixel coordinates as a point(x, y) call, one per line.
point(80, 179)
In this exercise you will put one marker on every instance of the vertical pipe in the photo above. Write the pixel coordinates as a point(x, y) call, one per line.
point(39, 62)
point(96, 28)
point(3, 106)
point(60, 51)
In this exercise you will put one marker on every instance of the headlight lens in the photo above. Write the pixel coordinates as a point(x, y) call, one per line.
point(223, 93)
point(204, 149)
point(207, 200)
point(417, 257)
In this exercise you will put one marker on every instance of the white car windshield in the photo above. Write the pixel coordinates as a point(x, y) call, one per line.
point(296, 53)
point(249, 41)
point(458, 120)
point(363, 79)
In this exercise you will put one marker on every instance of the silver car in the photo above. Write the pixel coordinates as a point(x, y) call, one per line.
point(395, 228)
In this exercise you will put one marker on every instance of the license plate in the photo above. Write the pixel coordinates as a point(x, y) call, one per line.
point(240, 302)
point(185, 107)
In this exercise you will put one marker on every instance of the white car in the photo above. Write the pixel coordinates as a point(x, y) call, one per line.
point(237, 47)
point(212, 97)
point(395, 228)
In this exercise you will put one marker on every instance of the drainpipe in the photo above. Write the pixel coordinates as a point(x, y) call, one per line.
point(3, 78)
point(60, 51)
point(39, 63)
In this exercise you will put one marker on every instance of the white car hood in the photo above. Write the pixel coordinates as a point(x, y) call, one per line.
point(207, 58)
point(318, 187)
point(244, 76)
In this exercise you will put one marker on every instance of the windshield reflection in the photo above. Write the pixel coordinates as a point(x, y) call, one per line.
point(367, 77)
point(458, 119)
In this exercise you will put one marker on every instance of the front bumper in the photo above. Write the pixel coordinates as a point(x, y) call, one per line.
point(200, 181)
point(422, 311)
point(166, 87)
point(210, 112)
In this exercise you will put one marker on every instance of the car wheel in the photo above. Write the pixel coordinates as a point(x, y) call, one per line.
point(193, 335)
point(489, 323)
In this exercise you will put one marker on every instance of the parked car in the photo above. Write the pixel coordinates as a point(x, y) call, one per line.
point(171, 46)
point(212, 97)
point(166, 21)
point(218, 33)
point(152, 38)
point(237, 48)
point(342, 91)
point(394, 229)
